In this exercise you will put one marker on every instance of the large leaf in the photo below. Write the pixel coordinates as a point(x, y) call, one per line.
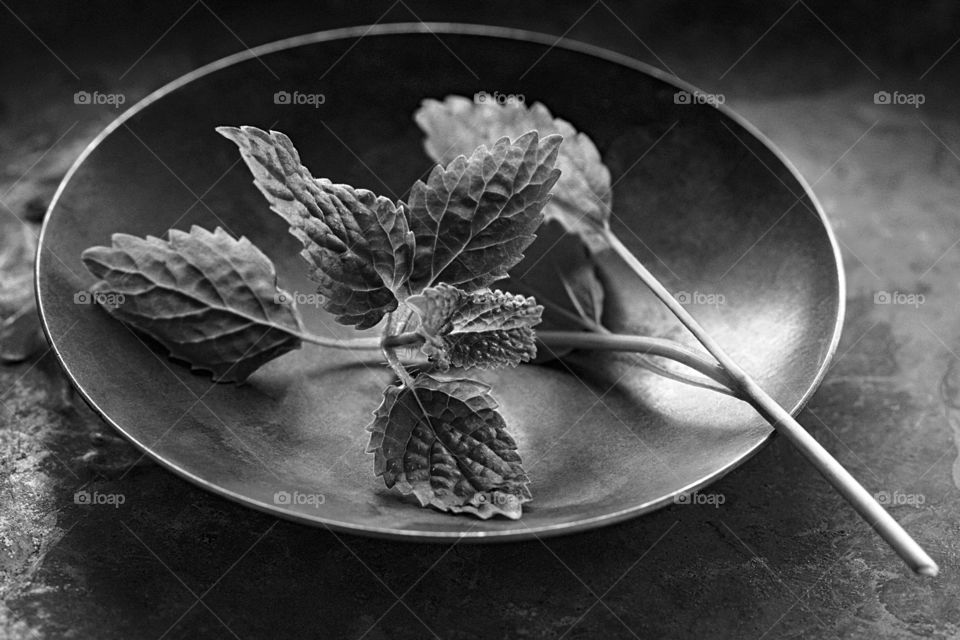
point(210, 299)
point(581, 198)
point(479, 329)
point(445, 442)
point(357, 244)
point(473, 219)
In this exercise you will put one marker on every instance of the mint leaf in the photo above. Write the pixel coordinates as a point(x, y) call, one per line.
point(209, 299)
point(445, 442)
point(473, 219)
point(581, 199)
point(478, 329)
point(357, 244)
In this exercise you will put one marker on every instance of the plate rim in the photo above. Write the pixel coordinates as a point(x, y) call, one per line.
point(445, 28)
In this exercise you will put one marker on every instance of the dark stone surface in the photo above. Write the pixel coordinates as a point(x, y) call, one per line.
point(782, 557)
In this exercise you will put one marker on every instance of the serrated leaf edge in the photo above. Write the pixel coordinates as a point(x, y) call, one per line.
point(481, 507)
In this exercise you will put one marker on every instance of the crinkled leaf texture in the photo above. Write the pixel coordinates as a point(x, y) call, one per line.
point(445, 442)
point(581, 199)
point(466, 225)
point(210, 299)
point(478, 329)
point(474, 218)
point(358, 245)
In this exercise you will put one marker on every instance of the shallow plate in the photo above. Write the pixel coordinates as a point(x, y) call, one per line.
point(702, 198)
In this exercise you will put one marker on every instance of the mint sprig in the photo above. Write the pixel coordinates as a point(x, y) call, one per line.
point(213, 300)
point(420, 271)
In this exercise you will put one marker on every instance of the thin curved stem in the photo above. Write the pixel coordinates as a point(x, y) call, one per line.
point(643, 358)
point(841, 479)
point(356, 344)
point(636, 344)
point(605, 341)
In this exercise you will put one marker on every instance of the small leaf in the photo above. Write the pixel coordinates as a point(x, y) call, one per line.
point(473, 219)
point(479, 329)
point(445, 442)
point(209, 299)
point(581, 198)
point(357, 244)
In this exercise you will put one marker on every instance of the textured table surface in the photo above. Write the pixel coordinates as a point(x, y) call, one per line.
point(783, 556)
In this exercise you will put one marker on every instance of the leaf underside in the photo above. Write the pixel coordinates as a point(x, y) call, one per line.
point(210, 299)
point(445, 442)
point(479, 329)
point(581, 199)
point(358, 246)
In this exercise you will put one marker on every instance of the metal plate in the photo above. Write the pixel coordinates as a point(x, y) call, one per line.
point(702, 198)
